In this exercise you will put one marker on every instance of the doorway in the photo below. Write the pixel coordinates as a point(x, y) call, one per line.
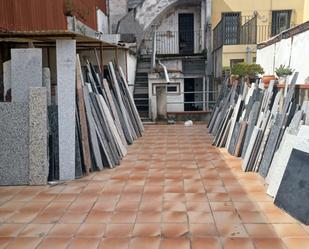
point(186, 33)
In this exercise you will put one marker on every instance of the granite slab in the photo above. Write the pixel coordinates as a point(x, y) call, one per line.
point(14, 146)
point(27, 67)
point(66, 80)
point(38, 132)
point(271, 146)
point(293, 192)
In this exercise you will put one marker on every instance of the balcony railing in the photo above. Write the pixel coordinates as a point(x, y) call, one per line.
point(245, 31)
point(176, 42)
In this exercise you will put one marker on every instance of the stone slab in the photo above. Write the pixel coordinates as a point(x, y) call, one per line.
point(7, 83)
point(234, 139)
point(281, 159)
point(251, 123)
point(14, 136)
point(47, 83)
point(271, 146)
point(26, 66)
point(66, 72)
point(293, 191)
point(53, 143)
point(38, 161)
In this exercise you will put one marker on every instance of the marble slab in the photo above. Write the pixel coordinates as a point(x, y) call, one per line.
point(66, 80)
point(271, 146)
point(293, 192)
point(27, 67)
point(14, 146)
point(281, 158)
point(38, 132)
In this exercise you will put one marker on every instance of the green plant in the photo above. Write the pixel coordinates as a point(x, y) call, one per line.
point(245, 69)
point(68, 5)
point(284, 71)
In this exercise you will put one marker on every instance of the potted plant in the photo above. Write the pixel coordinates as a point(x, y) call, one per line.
point(283, 72)
point(247, 72)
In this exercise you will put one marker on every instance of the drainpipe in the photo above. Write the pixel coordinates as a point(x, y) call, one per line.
point(154, 49)
point(248, 55)
point(167, 78)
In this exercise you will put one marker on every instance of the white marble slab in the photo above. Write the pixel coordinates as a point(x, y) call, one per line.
point(281, 159)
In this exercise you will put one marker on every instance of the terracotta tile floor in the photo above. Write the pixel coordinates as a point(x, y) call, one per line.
point(173, 191)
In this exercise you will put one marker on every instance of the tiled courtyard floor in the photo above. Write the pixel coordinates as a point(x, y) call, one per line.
point(173, 191)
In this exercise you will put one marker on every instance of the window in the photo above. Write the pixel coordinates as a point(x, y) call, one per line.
point(172, 89)
point(233, 62)
point(281, 20)
point(231, 28)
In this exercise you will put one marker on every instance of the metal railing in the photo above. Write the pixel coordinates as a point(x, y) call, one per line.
point(175, 42)
point(243, 32)
point(202, 101)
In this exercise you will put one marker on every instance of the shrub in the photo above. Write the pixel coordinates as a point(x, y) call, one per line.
point(245, 69)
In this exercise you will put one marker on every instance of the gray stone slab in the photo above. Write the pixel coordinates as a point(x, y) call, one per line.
point(305, 108)
point(251, 123)
point(14, 136)
point(250, 148)
point(26, 66)
point(234, 139)
point(234, 120)
point(7, 83)
point(295, 123)
point(66, 71)
point(271, 146)
point(293, 192)
point(38, 162)
point(47, 83)
point(53, 143)
point(303, 131)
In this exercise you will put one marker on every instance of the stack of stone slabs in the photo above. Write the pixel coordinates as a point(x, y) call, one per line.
point(23, 123)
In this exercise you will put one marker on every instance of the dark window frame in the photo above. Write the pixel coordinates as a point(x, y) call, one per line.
point(276, 22)
point(231, 28)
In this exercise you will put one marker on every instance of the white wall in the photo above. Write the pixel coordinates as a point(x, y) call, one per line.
point(170, 23)
point(175, 78)
point(293, 52)
point(102, 21)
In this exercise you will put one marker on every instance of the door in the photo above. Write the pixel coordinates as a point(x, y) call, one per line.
point(189, 88)
point(186, 33)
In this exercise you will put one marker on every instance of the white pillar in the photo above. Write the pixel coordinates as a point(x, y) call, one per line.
point(66, 67)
